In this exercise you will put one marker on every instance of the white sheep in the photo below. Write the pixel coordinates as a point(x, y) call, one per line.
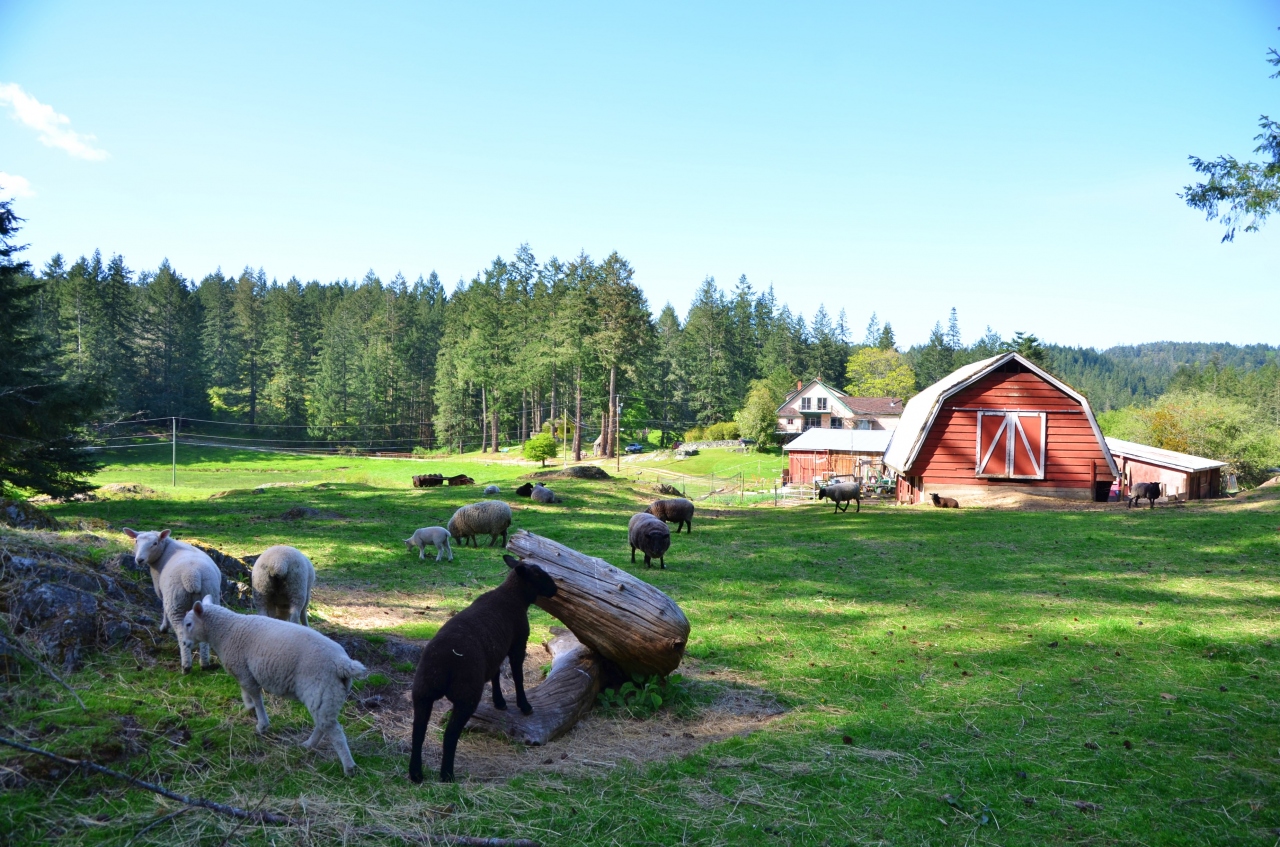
point(181, 575)
point(491, 517)
point(435, 535)
point(282, 581)
point(286, 659)
point(490, 489)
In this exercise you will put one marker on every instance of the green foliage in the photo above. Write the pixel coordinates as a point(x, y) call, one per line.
point(872, 372)
point(758, 418)
point(541, 447)
point(1028, 347)
point(1237, 191)
point(642, 696)
point(42, 411)
point(723, 431)
point(697, 433)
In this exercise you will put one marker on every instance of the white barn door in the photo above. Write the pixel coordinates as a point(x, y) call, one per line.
point(1011, 445)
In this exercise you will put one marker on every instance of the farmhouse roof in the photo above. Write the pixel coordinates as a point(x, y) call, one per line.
point(922, 409)
point(1159, 456)
point(852, 405)
point(842, 440)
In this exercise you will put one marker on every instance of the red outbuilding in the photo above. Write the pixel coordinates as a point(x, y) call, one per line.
point(999, 425)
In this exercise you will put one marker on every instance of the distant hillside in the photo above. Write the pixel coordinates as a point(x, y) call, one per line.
point(1121, 376)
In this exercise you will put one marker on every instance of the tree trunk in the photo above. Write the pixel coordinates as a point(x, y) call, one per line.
point(624, 619)
point(493, 410)
point(577, 417)
point(559, 701)
point(611, 442)
point(484, 420)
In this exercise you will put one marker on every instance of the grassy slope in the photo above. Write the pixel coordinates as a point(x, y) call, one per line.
point(925, 636)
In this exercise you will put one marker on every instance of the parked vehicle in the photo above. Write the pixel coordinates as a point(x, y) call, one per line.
point(633, 447)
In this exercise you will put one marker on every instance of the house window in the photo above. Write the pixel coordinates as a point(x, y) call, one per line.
point(791, 421)
point(810, 423)
point(822, 404)
point(806, 403)
point(863, 424)
point(837, 423)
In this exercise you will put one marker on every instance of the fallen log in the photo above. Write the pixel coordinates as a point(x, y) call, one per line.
point(460, 479)
point(624, 619)
point(429, 480)
point(558, 701)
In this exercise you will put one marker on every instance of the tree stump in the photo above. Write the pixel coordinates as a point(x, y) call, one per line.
point(628, 622)
point(558, 701)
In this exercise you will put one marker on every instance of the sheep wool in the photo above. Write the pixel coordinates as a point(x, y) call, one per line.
point(437, 536)
point(842, 493)
point(677, 510)
point(488, 517)
point(542, 494)
point(265, 654)
point(282, 581)
point(490, 490)
point(650, 536)
point(180, 575)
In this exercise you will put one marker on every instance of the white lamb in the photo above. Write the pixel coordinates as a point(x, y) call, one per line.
point(282, 581)
point(265, 654)
point(490, 490)
point(181, 575)
point(435, 535)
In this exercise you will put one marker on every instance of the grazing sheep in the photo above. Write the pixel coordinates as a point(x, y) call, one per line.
point(282, 581)
point(1144, 491)
point(945, 502)
point(487, 516)
point(651, 536)
point(181, 575)
point(265, 654)
point(491, 489)
point(525, 490)
point(542, 494)
point(678, 511)
point(842, 493)
point(434, 535)
point(468, 651)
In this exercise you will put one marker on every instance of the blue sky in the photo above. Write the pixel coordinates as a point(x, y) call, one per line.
point(1018, 161)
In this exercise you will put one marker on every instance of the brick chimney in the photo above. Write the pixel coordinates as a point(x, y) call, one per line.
point(799, 385)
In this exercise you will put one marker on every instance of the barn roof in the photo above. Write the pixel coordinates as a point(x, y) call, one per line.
point(1164, 458)
point(842, 440)
point(921, 410)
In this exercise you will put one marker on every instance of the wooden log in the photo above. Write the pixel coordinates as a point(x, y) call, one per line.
point(558, 701)
point(627, 621)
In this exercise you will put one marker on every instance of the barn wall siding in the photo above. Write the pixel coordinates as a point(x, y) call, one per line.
point(1073, 455)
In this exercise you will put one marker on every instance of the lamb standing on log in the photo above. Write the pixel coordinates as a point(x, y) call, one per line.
point(488, 516)
point(678, 511)
point(945, 502)
point(650, 536)
point(282, 581)
point(181, 575)
point(843, 493)
point(265, 654)
point(468, 651)
point(437, 536)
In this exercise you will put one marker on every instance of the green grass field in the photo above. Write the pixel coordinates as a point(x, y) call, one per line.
point(948, 677)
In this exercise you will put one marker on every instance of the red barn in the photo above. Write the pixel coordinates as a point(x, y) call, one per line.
point(1001, 424)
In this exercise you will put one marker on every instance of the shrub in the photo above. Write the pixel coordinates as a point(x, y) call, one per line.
point(644, 696)
point(541, 447)
point(695, 434)
point(723, 431)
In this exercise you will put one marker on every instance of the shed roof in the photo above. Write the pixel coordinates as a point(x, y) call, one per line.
point(921, 410)
point(1164, 458)
point(842, 440)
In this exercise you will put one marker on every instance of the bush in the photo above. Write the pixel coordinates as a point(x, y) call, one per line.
point(723, 431)
point(695, 434)
point(540, 448)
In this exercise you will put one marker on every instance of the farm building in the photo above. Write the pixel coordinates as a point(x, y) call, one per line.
point(1181, 476)
point(1001, 424)
point(845, 453)
point(816, 405)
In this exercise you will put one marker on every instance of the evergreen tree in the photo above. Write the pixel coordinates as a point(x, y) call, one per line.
point(933, 361)
point(287, 353)
point(170, 378)
point(43, 410)
point(247, 312)
point(706, 355)
point(886, 341)
point(219, 343)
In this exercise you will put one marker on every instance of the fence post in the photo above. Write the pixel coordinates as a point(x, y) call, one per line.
point(174, 421)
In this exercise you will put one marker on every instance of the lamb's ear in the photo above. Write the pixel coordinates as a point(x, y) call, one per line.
point(512, 561)
point(164, 533)
point(130, 533)
point(198, 608)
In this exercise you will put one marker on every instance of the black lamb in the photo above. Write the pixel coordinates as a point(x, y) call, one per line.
point(843, 493)
point(945, 502)
point(525, 490)
point(468, 651)
point(677, 510)
point(1144, 491)
point(650, 536)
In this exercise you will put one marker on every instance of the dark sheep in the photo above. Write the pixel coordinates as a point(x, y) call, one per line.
point(1144, 491)
point(468, 651)
point(525, 490)
point(945, 502)
point(842, 493)
point(678, 511)
point(650, 536)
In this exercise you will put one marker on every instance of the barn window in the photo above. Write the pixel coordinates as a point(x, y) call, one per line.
point(806, 403)
point(1011, 445)
point(822, 404)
